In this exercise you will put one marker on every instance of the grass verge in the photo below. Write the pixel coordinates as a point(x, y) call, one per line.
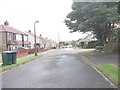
point(87, 52)
point(111, 71)
point(19, 62)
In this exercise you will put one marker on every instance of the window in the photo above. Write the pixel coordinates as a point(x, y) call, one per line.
point(9, 36)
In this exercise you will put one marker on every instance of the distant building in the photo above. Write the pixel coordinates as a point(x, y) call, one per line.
point(42, 41)
point(48, 44)
point(90, 37)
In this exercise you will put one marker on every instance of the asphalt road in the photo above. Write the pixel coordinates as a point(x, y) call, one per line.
point(58, 69)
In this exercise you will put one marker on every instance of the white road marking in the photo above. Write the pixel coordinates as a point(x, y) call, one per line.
point(104, 76)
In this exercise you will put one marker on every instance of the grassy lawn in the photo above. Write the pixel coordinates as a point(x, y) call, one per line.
point(87, 52)
point(111, 71)
point(19, 62)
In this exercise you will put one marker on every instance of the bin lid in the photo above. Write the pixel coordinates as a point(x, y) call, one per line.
point(7, 52)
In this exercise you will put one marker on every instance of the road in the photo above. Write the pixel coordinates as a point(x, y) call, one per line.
point(58, 69)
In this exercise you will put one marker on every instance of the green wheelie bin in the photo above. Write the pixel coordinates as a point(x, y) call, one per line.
point(14, 57)
point(7, 57)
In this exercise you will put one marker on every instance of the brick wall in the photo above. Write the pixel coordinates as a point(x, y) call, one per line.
point(22, 53)
point(31, 51)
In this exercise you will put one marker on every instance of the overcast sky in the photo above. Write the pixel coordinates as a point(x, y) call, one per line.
point(21, 14)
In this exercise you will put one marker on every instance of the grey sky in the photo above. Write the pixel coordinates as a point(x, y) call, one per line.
point(95, 0)
point(21, 14)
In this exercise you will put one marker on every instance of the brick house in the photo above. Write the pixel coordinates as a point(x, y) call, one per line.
point(12, 38)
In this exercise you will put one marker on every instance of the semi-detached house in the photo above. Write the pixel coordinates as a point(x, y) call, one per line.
point(12, 38)
point(39, 40)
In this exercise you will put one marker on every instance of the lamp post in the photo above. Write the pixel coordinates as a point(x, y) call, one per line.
point(35, 37)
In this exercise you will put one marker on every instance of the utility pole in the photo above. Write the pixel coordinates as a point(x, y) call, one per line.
point(58, 40)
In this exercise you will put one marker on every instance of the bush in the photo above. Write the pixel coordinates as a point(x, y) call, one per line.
point(92, 44)
point(82, 44)
point(85, 45)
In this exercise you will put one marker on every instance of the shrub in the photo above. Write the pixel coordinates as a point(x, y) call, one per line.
point(82, 44)
point(92, 44)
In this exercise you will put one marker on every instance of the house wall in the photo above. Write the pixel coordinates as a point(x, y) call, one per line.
point(42, 43)
point(0, 38)
point(31, 40)
point(25, 38)
point(48, 44)
point(37, 40)
point(53, 44)
point(3, 39)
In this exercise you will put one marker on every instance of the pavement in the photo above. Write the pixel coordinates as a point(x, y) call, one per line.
point(58, 69)
point(96, 59)
point(99, 59)
point(41, 53)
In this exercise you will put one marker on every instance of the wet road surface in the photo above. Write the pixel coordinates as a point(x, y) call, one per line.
point(58, 69)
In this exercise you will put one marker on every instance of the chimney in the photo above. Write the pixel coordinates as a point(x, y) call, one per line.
point(29, 31)
point(6, 23)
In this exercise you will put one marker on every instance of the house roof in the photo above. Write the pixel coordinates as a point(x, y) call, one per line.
point(4, 28)
point(46, 40)
point(28, 33)
point(39, 37)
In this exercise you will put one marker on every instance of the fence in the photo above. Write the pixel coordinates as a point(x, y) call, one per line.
point(111, 47)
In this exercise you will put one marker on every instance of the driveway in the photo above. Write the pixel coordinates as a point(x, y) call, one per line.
point(58, 69)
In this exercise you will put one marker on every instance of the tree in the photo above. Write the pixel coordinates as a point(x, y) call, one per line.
point(99, 17)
